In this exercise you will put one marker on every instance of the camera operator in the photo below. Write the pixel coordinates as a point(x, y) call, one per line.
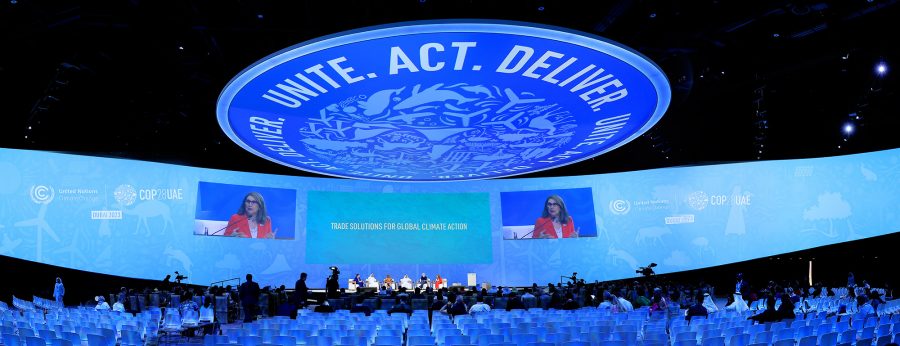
point(332, 284)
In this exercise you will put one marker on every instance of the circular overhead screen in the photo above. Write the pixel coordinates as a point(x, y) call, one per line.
point(443, 101)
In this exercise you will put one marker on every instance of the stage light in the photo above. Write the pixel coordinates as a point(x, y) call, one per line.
point(848, 128)
point(881, 68)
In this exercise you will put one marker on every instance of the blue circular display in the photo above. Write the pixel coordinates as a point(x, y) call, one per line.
point(446, 101)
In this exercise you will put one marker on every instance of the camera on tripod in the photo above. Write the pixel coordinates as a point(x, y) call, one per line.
point(179, 277)
point(646, 271)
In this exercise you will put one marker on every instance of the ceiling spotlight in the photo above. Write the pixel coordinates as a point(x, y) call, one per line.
point(848, 129)
point(881, 68)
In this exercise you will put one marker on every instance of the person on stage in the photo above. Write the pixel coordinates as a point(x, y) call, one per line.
point(423, 281)
point(406, 282)
point(251, 219)
point(357, 281)
point(438, 282)
point(555, 221)
point(371, 281)
point(389, 281)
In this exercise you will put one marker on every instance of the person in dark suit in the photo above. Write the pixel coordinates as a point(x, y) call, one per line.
point(301, 291)
point(249, 292)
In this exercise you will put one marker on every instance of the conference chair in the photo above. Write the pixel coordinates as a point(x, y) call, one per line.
point(320, 341)
point(867, 333)
point(541, 344)
point(784, 342)
point(713, 341)
point(131, 337)
point(286, 340)
point(250, 340)
point(763, 337)
point(847, 336)
point(74, 338)
point(98, 340)
point(809, 340)
point(388, 340)
point(35, 341)
point(420, 340)
point(613, 343)
point(490, 339)
point(524, 339)
point(883, 340)
point(61, 342)
point(739, 340)
point(828, 339)
point(864, 342)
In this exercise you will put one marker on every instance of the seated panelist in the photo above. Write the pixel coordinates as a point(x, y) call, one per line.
point(423, 281)
point(371, 281)
point(406, 282)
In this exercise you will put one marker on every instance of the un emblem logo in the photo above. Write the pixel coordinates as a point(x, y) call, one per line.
point(443, 101)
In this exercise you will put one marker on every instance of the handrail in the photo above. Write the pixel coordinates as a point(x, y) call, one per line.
point(226, 280)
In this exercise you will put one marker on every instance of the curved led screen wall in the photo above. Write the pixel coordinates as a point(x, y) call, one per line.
point(146, 220)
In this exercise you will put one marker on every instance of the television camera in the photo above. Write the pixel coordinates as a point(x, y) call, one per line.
point(646, 271)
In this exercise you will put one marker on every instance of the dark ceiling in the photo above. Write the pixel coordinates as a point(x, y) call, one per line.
point(751, 80)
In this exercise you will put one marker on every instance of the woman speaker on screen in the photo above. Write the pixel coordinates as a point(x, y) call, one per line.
point(251, 219)
point(555, 221)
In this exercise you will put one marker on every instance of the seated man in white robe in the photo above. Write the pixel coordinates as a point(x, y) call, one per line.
point(406, 282)
point(371, 281)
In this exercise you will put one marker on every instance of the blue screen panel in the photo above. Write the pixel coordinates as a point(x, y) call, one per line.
point(139, 219)
point(218, 203)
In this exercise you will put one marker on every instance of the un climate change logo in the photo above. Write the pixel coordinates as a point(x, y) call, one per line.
point(619, 206)
point(125, 194)
point(41, 194)
point(443, 101)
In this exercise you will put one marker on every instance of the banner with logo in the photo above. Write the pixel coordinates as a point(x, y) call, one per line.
point(139, 219)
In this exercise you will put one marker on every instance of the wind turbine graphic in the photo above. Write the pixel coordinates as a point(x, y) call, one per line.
point(42, 226)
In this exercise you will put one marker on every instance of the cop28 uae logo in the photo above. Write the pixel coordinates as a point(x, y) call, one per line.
point(443, 101)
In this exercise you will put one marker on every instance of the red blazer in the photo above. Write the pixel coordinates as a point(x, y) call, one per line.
point(240, 224)
point(543, 228)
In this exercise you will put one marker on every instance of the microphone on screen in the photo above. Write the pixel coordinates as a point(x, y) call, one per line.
point(223, 228)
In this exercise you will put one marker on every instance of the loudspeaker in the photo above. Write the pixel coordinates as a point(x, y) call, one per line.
point(366, 289)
